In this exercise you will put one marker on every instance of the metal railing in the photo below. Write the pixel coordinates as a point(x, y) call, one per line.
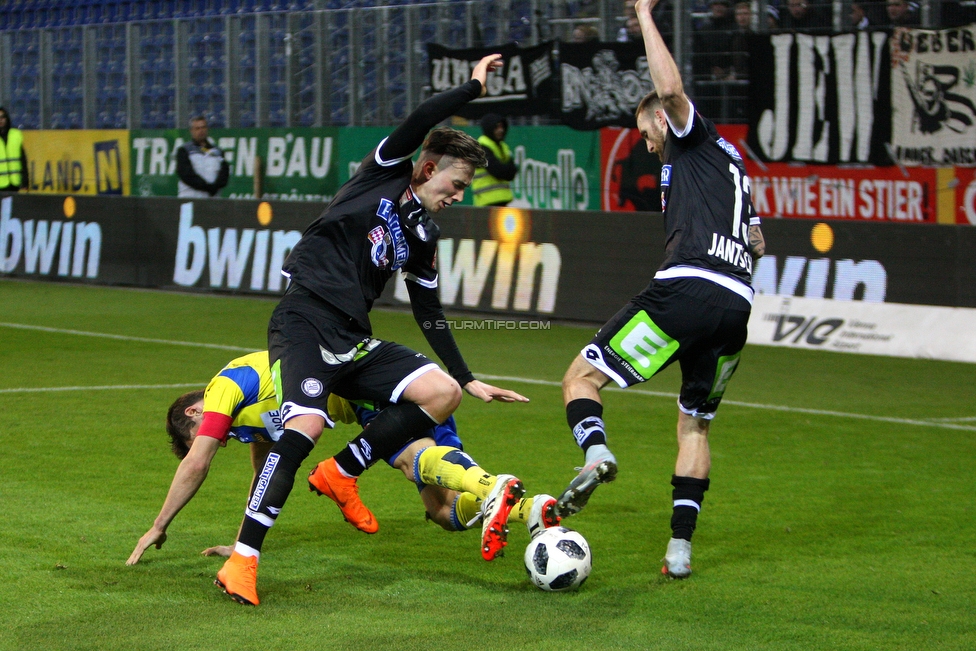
point(344, 67)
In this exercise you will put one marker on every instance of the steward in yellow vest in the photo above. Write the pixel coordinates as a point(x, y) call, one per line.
point(491, 185)
point(13, 158)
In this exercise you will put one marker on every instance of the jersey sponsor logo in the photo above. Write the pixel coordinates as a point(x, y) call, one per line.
point(729, 148)
point(399, 241)
point(311, 387)
point(642, 347)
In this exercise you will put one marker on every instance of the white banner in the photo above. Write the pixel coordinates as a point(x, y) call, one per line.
point(890, 329)
point(933, 96)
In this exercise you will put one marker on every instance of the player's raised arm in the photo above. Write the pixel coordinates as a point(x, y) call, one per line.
point(663, 69)
point(405, 139)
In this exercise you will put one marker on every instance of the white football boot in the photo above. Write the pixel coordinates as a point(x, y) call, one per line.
point(600, 468)
point(542, 515)
point(677, 561)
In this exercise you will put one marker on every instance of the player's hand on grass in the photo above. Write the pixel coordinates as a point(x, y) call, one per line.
point(489, 63)
point(152, 537)
point(488, 393)
point(219, 550)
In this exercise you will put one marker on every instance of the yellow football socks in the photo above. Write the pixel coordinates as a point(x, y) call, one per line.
point(467, 507)
point(520, 512)
point(445, 466)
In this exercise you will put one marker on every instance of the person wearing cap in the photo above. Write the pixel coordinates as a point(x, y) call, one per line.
point(13, 157)
point(492, 184)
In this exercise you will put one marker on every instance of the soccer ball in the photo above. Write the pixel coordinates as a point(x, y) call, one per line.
point(558, 560)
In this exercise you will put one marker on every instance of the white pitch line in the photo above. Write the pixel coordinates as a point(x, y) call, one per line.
point(784, 408)
point(659, 394)
point(103, 335)
point(114, 387)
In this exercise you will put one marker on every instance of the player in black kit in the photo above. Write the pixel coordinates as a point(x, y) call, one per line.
point(694, 311)
point(320, 338)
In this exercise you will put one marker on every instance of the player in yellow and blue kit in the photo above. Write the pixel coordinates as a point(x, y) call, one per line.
point(448, 479)
point(239, 403)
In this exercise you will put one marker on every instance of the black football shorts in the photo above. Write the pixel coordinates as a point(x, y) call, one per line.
point(315, 350)
point(662, 325)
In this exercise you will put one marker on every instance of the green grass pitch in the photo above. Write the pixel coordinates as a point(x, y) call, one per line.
point(841, 514)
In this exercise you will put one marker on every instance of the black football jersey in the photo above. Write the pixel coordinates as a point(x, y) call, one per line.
point(707, 204)
point(348, 254)
point(374, 226)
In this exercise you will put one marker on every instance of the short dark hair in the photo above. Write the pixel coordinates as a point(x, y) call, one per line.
point(650, 102)
point(199, 118)
point(445, 141)
point(178, 424)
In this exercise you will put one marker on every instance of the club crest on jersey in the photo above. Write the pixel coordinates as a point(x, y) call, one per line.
point(380, 241)
point(311, 387)
point(729, 148)
point(665, 175)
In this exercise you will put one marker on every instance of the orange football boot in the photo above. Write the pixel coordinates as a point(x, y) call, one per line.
point(239, 579)
point(326, 479)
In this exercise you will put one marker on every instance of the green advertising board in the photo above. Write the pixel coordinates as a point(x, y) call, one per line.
point(559, 168)
point(298, 164)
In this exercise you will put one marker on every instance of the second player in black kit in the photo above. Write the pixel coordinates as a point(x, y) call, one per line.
point(696, 309)
point(320, 339)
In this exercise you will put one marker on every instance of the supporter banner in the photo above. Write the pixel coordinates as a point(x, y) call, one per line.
point(523, 86)
point(78, 162)
point(933, 96)
point(824, 99)
point(867, 328)
point(298, 164)
point(602, 83)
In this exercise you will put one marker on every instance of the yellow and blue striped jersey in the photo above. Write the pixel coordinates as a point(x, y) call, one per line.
point(245, 392)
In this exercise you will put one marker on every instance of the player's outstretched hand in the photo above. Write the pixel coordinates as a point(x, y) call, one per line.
point(152, 537)
point(642, 5)
point(486, 65)
point(488, 393)
point(219, 550)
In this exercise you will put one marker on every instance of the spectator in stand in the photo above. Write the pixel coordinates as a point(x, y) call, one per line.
point(13, 156)
point(902, 13)
point(200, 165)
point(805, 16)
point(713, 42)
point(492, 184)
point(772, 17)
point(630, 32)
point(585, 34)
point(859, 17)
point(742, 13)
